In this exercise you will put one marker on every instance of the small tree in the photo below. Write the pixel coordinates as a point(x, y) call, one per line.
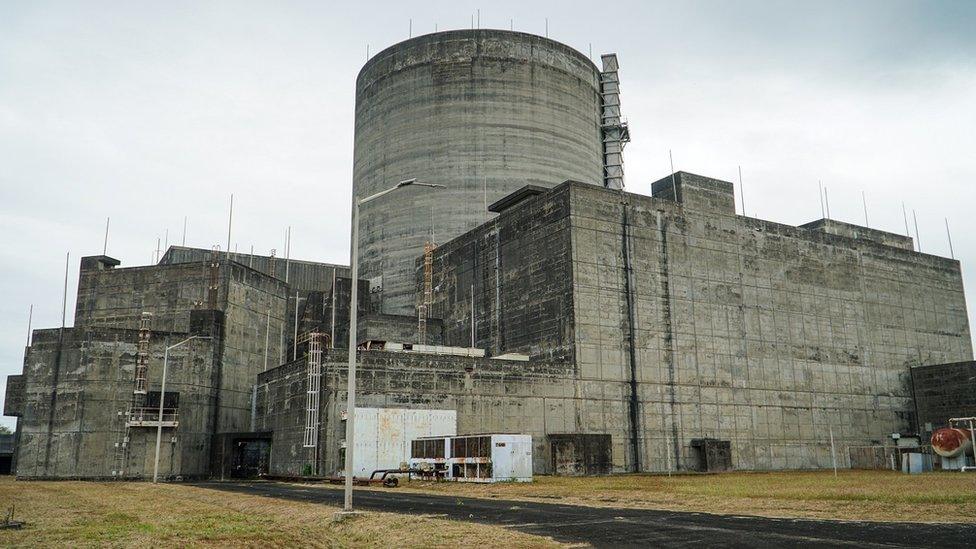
point(4, 430)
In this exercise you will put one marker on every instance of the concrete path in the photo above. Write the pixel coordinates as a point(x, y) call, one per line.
point(614, 527)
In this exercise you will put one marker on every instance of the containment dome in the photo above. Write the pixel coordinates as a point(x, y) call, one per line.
point(482, 112)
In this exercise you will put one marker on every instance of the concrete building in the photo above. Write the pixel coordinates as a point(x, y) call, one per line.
point(482, 112)
point(656, 325)
point(82, 412)
point(622, 332)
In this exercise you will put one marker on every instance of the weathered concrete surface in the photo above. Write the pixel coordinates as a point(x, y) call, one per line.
point(79, 381)
point(468, 109)
point(739, 329)
point(489, 396)
point(301, 275)
point(943, 391)
point(79, 387)
point(515, 273)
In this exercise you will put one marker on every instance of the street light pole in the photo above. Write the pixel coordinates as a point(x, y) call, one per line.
point(353, 310)
point(162, 397)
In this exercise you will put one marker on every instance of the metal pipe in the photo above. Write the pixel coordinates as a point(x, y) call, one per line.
point(351, 373)
point(30, 318)
point(288, 254)
point(64, 299)
point(833, 454)
point(952, 254)
point(267, 339)
point(742, 192)
point(823, 214)
point(332, 341)
point(230, 221)
point(864, 201)
point(674, 187)
point(905, 215)
point(105, 243)
point(294, 341)
point(918, 239)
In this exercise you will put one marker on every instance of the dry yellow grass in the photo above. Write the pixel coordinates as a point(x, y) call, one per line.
point(852, 495)
point(141, 514)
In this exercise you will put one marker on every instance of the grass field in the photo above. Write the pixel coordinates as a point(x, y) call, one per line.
point(852, 495)
point(145, 515)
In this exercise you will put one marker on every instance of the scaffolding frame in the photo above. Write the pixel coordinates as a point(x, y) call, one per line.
point(423, 311)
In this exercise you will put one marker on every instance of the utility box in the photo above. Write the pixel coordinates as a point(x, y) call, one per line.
point(914, 463)
point(474, 458)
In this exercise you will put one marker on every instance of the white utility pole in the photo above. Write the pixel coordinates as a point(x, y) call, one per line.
point(353, 310)
point(162, 398)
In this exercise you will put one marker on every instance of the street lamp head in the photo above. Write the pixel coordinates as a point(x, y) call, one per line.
point(406, 182)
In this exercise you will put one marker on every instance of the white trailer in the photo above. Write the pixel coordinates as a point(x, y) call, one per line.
point(474, 458)
point(383, 435)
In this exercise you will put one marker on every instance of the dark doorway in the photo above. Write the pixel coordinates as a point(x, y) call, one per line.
point(712, 455)
point(250, 457)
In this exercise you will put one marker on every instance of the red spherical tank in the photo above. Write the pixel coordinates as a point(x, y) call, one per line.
point(950, 442)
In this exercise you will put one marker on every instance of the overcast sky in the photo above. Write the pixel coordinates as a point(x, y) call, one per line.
point(151, 111)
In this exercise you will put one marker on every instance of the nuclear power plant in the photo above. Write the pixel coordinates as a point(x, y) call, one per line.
point(527, 294)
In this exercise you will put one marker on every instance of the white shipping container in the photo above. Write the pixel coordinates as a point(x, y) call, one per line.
point(383, 435)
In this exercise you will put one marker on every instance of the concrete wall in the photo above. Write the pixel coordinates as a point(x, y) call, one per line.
point(397, 329)
point(519, 266)
point(301, 275)
point(78, 389)
point(489, 395)
point(943, 391)
point(466, 109)
point(759, 333)
point(750, 331)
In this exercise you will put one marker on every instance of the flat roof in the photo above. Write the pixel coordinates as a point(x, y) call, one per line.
point(512, 199)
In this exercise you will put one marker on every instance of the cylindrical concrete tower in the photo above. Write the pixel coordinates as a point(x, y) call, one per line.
point(483, 112)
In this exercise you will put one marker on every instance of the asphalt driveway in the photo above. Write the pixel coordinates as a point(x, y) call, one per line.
point(615, 527)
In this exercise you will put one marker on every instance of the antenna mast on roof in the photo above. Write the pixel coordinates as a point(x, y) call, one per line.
point(827, 202)
point(230, 221)
point(952, 254)
point(823, 214)
point(918, 239)
point(742, 193)
point(105, 243)
point(674, 187)
point(865, 202)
